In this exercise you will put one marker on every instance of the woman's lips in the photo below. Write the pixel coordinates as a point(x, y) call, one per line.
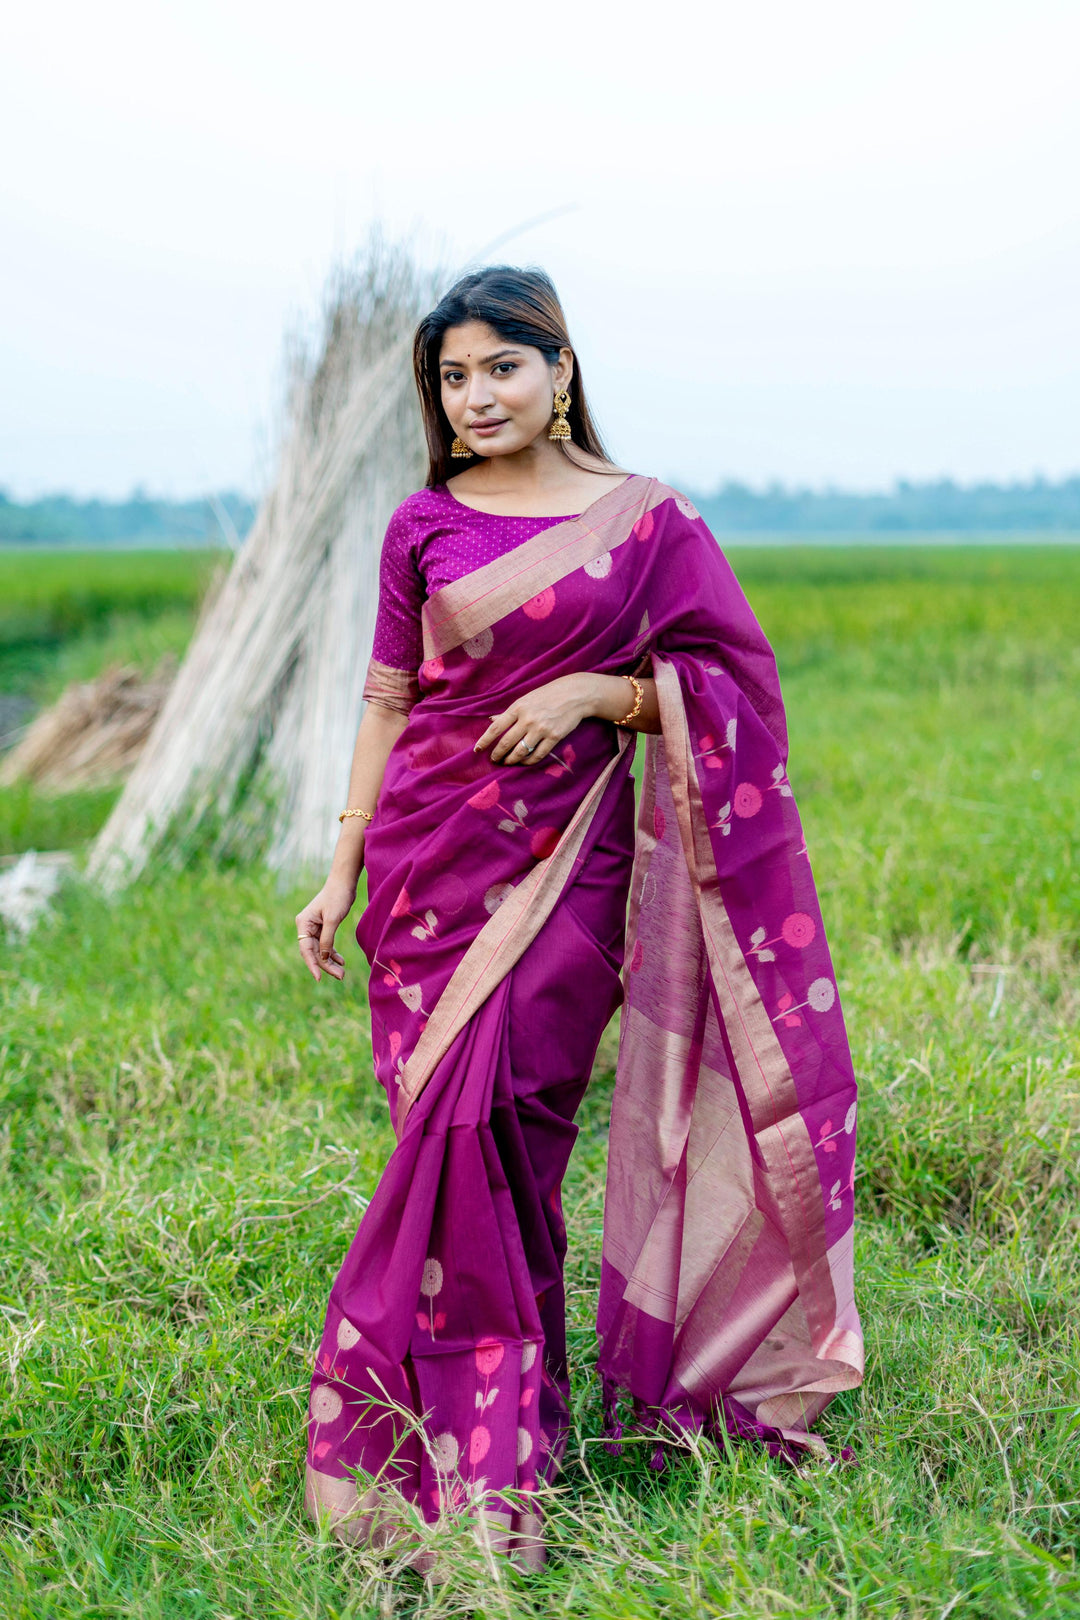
point(485, 429)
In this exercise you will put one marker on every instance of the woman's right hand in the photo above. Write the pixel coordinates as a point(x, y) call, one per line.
point(317, 924)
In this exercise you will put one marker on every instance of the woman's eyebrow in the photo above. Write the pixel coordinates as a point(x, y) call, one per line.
point(487, 360)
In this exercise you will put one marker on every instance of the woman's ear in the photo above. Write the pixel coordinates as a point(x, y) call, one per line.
point(563, 371)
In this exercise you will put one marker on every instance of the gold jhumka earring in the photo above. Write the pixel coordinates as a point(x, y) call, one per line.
point(560, 428)
point(460, 448)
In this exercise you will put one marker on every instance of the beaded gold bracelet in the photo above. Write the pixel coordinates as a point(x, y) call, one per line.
point(368, 815)
point(639, 698)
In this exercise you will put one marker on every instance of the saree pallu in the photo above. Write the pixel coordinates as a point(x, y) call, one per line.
point(498, 937)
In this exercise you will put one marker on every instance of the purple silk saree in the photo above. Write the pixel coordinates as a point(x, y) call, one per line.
point(498, 937)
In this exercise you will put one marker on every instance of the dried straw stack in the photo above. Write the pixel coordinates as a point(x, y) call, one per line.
point(252, 748)
point(93, 734)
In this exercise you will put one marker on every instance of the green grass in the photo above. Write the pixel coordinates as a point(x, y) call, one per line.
point(191, 1127)
point(65, 614)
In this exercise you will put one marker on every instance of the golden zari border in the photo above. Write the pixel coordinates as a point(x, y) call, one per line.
point(766, 1077)
point(397, 689)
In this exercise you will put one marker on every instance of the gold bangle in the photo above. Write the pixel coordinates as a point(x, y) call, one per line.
point(368, 815)
point(639, 698)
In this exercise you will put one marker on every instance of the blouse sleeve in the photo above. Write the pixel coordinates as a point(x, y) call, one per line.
point(397, 649)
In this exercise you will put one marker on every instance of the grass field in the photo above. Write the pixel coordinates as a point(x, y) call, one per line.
point(191, 1129)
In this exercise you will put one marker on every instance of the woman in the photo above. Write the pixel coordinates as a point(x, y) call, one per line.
point(538, 607)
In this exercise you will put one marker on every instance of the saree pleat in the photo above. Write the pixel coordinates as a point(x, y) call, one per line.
point(500, 944)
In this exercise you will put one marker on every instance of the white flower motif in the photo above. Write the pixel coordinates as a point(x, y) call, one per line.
point(446, 1450)
point(834, 1198)
point(495, 896)
point(599, 567)
point(687, 508)
point(821, 995)
point(326, 1404)
point(480, 645)
point(524, 1446)
point(528, 1354)
point(731, 729)
point(432, 1279)
point(347, 1335)
point(849, 1118)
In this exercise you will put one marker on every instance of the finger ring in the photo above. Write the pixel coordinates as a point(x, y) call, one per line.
point(528, 747)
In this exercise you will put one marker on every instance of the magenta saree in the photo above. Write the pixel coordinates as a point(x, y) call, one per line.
point(497, 933)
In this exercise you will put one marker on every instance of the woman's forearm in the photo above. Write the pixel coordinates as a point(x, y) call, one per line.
point(614, 698)
point(380, 728)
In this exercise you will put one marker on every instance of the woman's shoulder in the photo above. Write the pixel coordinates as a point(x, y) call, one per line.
point(416, 515)
point(668, 492)
point(422, 503)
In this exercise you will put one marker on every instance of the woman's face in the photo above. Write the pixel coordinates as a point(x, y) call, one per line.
point(498, 395)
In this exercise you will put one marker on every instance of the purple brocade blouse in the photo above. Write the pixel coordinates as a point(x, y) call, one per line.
point(431, 539)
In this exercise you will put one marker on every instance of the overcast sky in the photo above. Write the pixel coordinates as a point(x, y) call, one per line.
point(822, 243)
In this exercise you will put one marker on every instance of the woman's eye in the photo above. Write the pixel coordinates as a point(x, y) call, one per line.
point(451, 376)
point(506, 366)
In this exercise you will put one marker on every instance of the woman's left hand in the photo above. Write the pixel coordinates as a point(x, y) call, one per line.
point(542, 717)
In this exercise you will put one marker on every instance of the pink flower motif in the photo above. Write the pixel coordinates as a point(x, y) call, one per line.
point(432, 669)
point(798, 930)
point(659, 822)
point(747, 800)
point(538, 607)
point(395, 1042)
point(401, 905)
point(543, 841)
point(479, 1444)
point(319, 1451)
point(489, 1353)
point(526, 1396)
point(485, 797)
point(638, 957)
point(643, 528)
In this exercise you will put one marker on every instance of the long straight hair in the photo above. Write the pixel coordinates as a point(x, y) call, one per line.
point(522, 306)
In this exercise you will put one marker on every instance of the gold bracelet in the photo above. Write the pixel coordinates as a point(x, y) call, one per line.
point(368, 815)
point(639, 698)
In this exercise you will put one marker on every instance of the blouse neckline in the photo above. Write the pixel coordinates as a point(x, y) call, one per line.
point(512, 517)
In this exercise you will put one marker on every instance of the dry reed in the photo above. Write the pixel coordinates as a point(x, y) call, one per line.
point(256, 735)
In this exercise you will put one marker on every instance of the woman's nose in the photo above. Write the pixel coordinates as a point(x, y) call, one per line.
point(480, 396)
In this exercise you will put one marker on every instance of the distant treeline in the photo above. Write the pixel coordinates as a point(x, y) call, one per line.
point(214, 520)
point(734, 508)
point(737, 509)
